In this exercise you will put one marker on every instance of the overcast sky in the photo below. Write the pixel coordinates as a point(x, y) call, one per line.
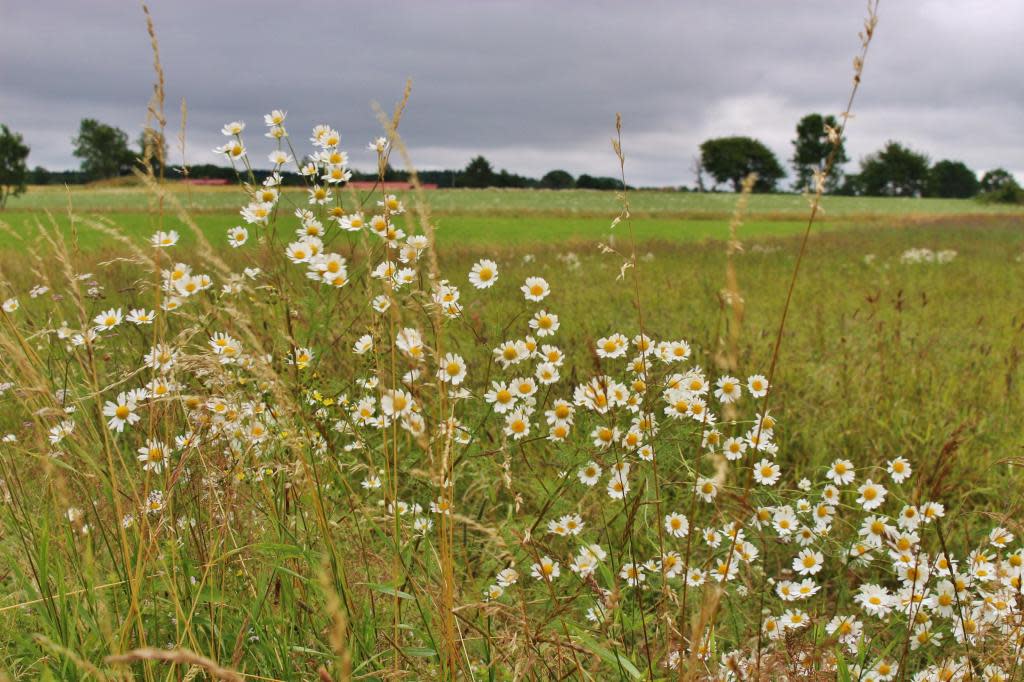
point(532, 85)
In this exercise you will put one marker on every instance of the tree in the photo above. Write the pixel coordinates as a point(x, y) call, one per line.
point(730, 159)
point(811, 150)
point(951, 180)
point(999, 186)
point(996, 179)
point(13, 169)
point(894, 171)
point(557, 179)
point(590, 182)
point(478, 173)
point(103, 150)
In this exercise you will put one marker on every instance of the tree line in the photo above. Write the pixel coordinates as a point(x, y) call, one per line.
point(106, 151)
point(896, 170)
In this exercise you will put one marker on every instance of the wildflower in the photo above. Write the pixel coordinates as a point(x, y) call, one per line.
point(589, 474)
point(677, 525)
point(120, 411)
point(707, 489)
point(767, 472)
point(808, 562)
point(614, 346)
point(238, 236)
point(872, 495)
point(535, 289)
point(153, 455)
point(154, 502)
point(899, 469)
point(784, 520)
point(140, 316)
point(452, 369)
point(164, 239)
point(517, 424)
point(733, 448)
point(728, 390)
point(10, 305)
point(301, 357)
point(108, 319)
point(618, 485)
point(757, 385)
point(874, 599)
point(507, 577)
point(841, 472)
point(544, 323)
point(545, 569)
point(632, 574)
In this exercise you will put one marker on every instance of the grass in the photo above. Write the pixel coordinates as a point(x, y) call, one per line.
point(500, 217)
point(879, 360)
point(493, 202)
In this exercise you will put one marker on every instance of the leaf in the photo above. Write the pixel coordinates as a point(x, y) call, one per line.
point(421, 651)
point(612, 658)
point(388, 590)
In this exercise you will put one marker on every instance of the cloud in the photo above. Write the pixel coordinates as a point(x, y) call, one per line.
point(532, 85)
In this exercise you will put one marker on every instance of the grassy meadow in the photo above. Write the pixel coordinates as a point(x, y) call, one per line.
point(280, 534)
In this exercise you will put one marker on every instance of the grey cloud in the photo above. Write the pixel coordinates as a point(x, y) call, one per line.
point(533, 85)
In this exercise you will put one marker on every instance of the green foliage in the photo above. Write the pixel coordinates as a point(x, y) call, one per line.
point(893, 171)
point(103, 149)
point(590, 182)
point(13, 169)
point(478, 173)
point(998, 186)
point(951, 180)
point(996, 179)
point(811, 149)
point(557, 179)
point(730, 159)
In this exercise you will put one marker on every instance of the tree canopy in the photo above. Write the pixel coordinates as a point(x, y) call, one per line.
point(951, 180)
point(557, 179)
point(811, 149)
point(731, 159)
point(13, 166)
point(103, 149)
point(894, 171)
point(478, 173)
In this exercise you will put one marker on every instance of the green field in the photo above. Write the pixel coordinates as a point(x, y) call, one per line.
point(508, 217)
point(275, 558)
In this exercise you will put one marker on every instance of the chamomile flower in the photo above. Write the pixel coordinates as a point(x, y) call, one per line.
point(153, 456)
point(677, 525)
point(767, 472)
point(535, 289)
point(841, 472)
point(757, 385)
point(452, 369)
point(808, 562)
point(589, 474)
point(899, 469)
point(120, 411)
point(238, 236)
point(706, 489)
point(728, 389)
point(545, 569)
point(162, 240)
point(872, 495)
point(544, 323)
point(108, 319)
point(140, 316)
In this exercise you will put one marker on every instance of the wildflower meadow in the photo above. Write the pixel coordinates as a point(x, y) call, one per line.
point(321, 440)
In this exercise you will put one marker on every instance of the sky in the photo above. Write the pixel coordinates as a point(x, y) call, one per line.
point(531, 85)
